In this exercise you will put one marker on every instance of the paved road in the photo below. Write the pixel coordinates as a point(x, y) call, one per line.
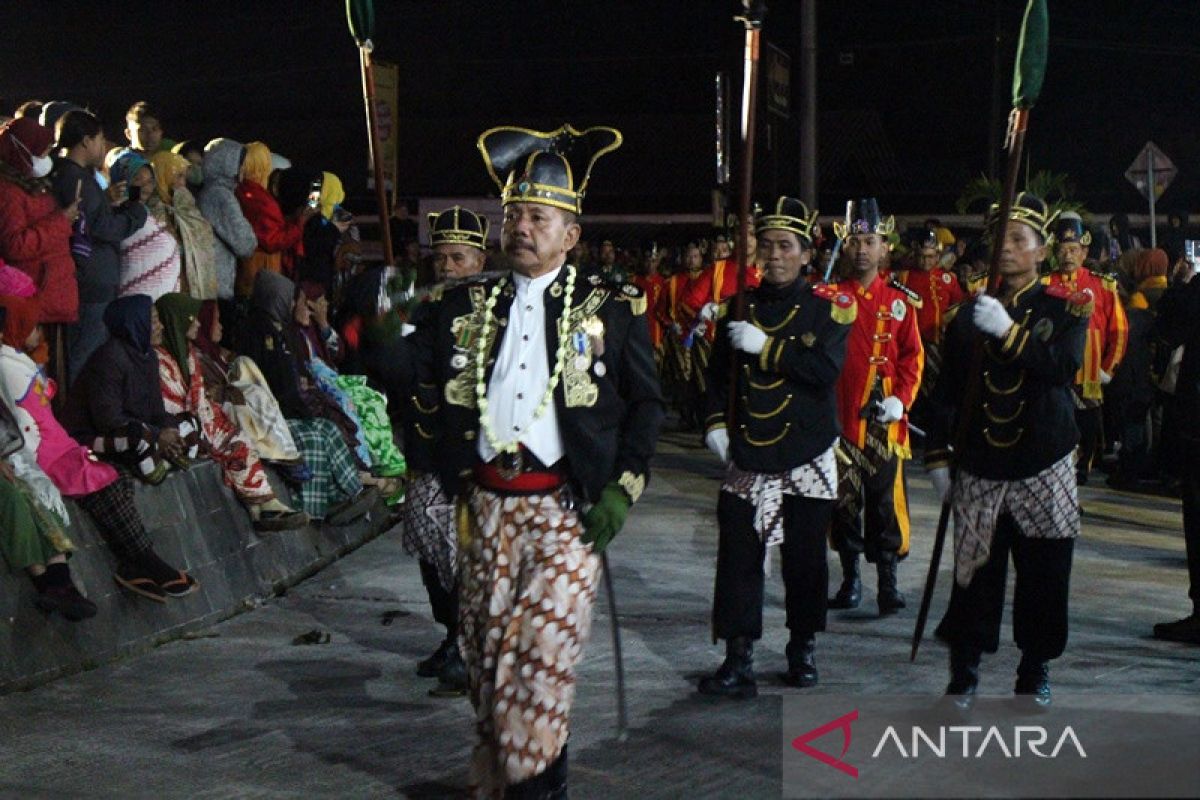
point(240, 711)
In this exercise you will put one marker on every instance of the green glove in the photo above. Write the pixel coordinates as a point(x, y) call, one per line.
point(605, 519)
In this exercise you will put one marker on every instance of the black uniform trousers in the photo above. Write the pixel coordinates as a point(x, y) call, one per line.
point(882, 525)
point(1091, 432)
point(738, 599)
point(1190, 491)
point(1043, 570)
point(444, 601)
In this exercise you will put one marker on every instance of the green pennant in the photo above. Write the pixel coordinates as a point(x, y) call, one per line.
point(1031, 55)
point(360, 16)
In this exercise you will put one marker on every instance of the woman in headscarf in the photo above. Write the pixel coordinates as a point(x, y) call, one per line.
point(150, 261)
point(173, 205)
point(366, 407)
point(335, 490)
point(323, 236)
point(97, 487)
point(280, 240)
point(35, 232)
point(184, 393)
point(116, 407)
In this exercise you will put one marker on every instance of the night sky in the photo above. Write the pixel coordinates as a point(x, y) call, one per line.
point(905, 88)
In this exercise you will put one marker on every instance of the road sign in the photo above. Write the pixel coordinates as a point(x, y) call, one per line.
point(1151, 158)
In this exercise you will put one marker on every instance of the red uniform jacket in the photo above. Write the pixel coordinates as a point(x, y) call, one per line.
point(939, 292)
point(717, 283)
point(670, 307)
point(1108, 330)
point(883, 342)
point(653, 286)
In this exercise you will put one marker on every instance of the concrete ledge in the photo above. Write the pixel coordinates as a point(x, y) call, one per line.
point(195, 523)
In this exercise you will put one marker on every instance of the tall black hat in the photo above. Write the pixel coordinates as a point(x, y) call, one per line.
point(1070, 229)
point(1028, 209)
point(863, 217)
point(458, 225)
point(541, 167)
point(922, 238)
point(792, 215)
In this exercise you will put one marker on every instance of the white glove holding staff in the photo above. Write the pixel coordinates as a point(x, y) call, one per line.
point(747, 337)
point(990, 317)
point(717, 440)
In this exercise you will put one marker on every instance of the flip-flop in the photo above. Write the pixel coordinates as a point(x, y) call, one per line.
point(143, 586)
point(179, 587)
point(280, 521)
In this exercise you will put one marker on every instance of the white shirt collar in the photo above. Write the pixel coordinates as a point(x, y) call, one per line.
point(527, 286)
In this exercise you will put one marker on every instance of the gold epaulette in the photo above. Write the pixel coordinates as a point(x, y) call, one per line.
point(844, 310)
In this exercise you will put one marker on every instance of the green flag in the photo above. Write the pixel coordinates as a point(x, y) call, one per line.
point(360, 15)
point(1031, 55)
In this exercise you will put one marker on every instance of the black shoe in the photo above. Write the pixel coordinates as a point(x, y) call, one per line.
point(802, 662)
point(432, 667)
point(849, 595)
point(550, 784)
point(735, 677)
point(1186, 630)
point(889, 596)
point(65, 600)
point(1033, 681)
point(452, 680)
point(269, 521)
point(350, 510)
point(964, 677)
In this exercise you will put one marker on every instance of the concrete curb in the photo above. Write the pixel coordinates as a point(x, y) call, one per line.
point(195, 522)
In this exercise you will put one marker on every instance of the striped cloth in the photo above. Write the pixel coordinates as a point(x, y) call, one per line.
point(335, 475)
point(150, 261)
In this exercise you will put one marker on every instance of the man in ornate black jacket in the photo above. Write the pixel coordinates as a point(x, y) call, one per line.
point(548, 415)
point(1014, 487)
point(781, 479)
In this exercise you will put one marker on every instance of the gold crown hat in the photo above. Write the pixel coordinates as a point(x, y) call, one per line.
point(1028, 209)
point(1070, 229)
point(863, 217)
point(541, 166)
point(791, 215)
point(458, 225)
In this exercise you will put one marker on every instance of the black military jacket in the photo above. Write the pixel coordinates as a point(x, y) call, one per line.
point(786, 412)
point(1024, 420)
point(608, 401)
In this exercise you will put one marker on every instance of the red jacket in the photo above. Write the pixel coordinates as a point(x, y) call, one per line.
point(669, 308)
point(275, 234)
point(1108, 329)
point(884, 342)
point(717, 283)
point(35, 238)
point(653, 286)
point(939, 292)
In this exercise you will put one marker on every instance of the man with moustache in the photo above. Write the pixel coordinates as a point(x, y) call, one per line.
point(781, 474)
point(547, 418)
point(1014, 489)
point(1108, 334)
point(877, 387)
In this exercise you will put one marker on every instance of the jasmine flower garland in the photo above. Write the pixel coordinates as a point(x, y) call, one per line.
point(481, 364)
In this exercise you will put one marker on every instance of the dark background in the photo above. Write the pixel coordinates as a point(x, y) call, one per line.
point(905, 89)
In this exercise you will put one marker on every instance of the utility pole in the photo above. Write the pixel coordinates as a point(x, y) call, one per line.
point(808, 116)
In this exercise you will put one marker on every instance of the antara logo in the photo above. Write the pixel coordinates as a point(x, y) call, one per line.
point(937, 742)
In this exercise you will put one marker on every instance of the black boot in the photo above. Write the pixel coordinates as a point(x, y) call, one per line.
point(964, 676)
point(1033, 680)
point(550, 784)
point(850, 593)
point(889, 596)
point(452, 679)
point(432, 666)
point(802, 661)
point(735, 677)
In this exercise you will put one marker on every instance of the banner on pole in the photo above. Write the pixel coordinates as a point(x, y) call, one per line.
point(387, 106)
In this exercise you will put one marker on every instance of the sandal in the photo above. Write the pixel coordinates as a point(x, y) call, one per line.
point(139, 584)
point(280, 520)
point(179, 587)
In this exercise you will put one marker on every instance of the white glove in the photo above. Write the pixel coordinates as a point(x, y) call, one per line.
point(747, 338)
point(941, 482)
point(990, 316)
point(890, 410)
point(406, 329)
point(717, 440)
point(709, 312)
point(1105, 378)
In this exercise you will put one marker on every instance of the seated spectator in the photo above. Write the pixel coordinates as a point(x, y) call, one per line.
point(335, 489)
point(234, 237)
point(150, 258)
point(173, 205)
point(118, 408)
point(97, 233)
point(35, 232)
point(366, 407)
point(101, 491)
point(33, 520)
point(279, 240)
point(236, 384)
point(184, 393)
